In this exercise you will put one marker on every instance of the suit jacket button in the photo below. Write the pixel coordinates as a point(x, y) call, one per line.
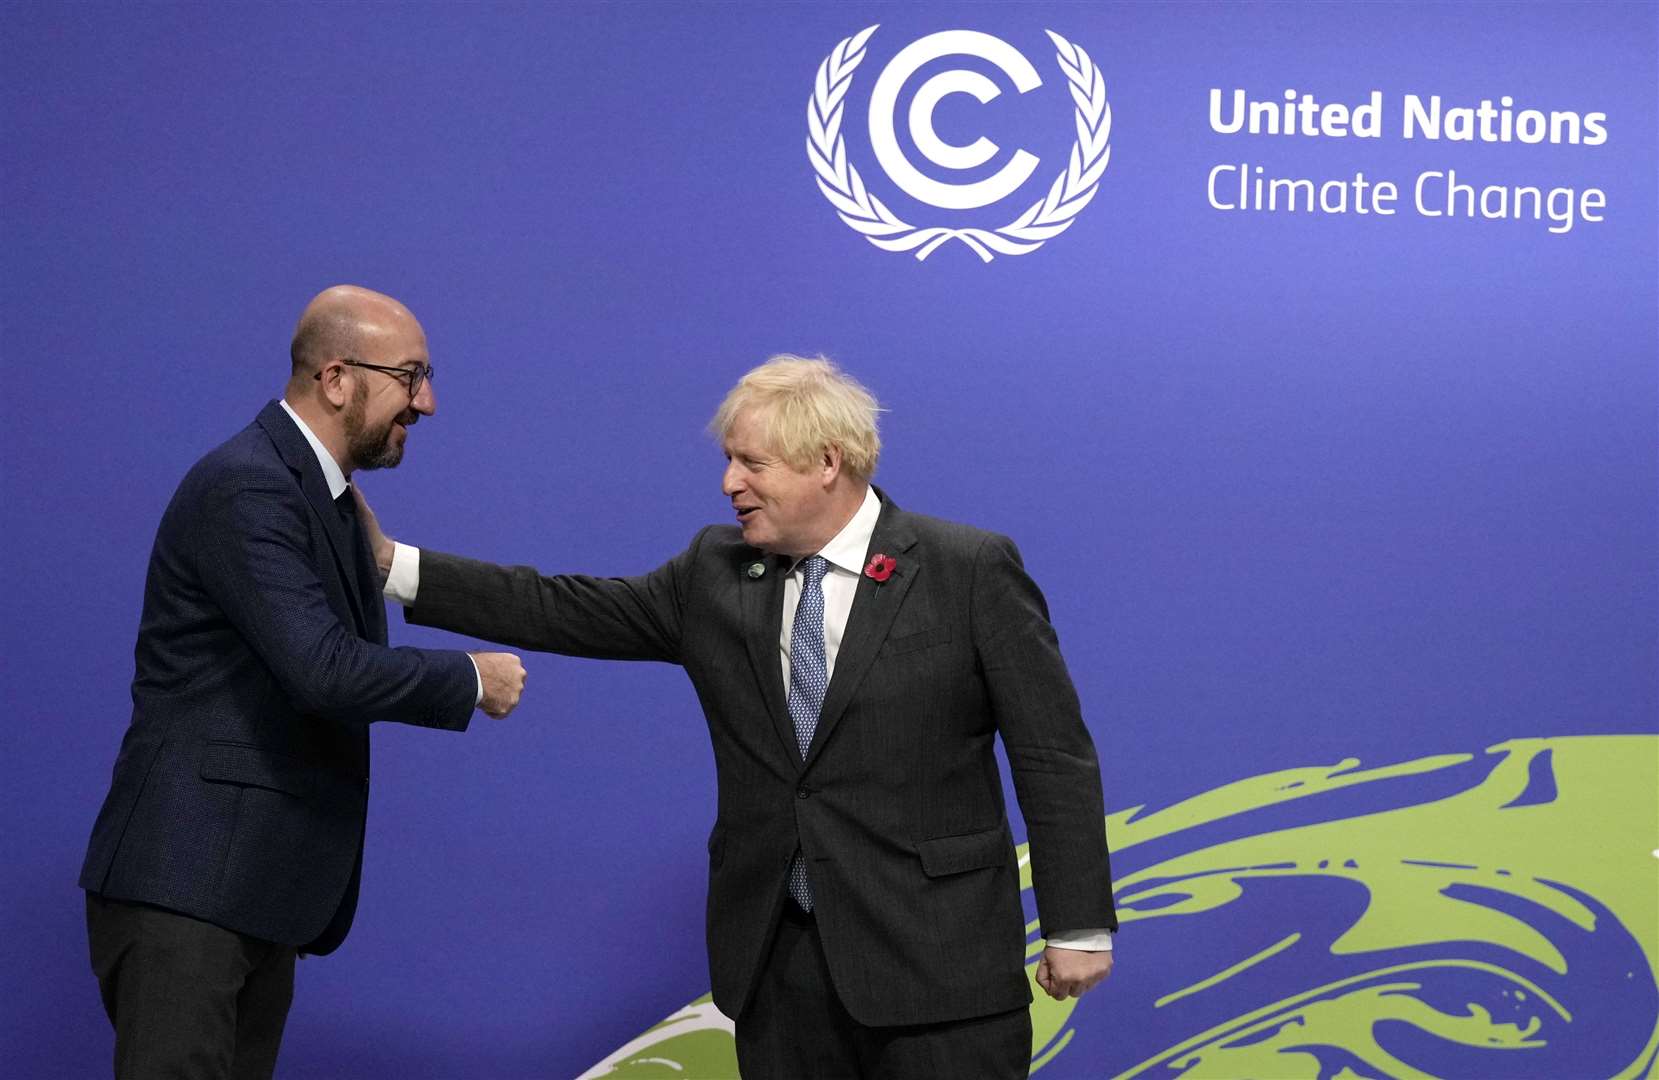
point(802, 792)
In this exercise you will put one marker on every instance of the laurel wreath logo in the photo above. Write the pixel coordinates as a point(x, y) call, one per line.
point(1045, 219)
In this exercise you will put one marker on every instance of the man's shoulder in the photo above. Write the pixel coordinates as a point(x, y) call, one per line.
point(942, 533)
point(246, 460)
point(721, 544)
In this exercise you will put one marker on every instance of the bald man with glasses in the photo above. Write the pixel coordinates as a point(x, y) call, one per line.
point(231, 837)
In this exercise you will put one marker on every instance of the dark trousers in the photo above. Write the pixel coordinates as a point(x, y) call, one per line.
point(796, 1028)
point(187, 998)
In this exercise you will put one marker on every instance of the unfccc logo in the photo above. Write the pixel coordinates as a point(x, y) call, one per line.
point(863, 211)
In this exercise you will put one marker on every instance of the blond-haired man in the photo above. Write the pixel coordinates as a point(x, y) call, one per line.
point(856, 663)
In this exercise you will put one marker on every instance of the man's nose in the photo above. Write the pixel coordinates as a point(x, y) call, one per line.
point(730, 483)
point(426, 401)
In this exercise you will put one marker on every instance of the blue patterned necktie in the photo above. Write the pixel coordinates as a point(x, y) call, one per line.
point(808, 681)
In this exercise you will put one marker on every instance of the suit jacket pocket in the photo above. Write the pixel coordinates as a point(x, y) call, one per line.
point(237, 763)
point(944, 855)
point(921, 639)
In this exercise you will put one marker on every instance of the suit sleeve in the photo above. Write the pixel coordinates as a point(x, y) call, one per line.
point(254, 559)
point(1052, 758)
point(631, 618)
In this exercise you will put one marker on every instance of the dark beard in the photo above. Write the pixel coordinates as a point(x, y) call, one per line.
point(369, 449)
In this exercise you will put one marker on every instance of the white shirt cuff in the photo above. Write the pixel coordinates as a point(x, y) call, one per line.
point(1083, 940)
point(404, 580)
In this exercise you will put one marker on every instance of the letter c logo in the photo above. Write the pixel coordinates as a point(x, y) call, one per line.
point(884, 104)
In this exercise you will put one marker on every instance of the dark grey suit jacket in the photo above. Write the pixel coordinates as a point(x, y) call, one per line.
point(898, 805)
point(240, 791)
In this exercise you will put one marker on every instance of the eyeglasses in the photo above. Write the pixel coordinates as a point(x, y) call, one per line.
point(414, 377)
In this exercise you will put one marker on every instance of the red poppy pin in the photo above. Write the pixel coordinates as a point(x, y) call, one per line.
point(881, 567)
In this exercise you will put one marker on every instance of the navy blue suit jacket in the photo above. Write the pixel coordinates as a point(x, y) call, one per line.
point(240, 791)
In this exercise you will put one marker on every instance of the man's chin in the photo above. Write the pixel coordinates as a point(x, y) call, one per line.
point(387, 457)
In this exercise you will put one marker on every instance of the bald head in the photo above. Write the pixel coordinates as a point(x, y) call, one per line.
point(343, 321)
point(361, 376)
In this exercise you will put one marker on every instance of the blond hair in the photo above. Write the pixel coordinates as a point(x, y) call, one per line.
point(806, 406)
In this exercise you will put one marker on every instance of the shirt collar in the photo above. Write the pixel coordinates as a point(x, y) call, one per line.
point(331, 468)
point(846, 551)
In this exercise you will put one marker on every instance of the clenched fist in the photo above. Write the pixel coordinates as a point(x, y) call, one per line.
point(1070, 973)
point(503, 677)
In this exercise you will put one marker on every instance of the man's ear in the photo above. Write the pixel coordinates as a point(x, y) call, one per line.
point(332, 376)
point(829, 465)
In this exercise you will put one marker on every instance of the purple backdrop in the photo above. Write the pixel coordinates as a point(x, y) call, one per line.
point(1300, 487)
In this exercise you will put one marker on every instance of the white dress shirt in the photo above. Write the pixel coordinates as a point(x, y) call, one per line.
point(845, 554)
point(331, 468)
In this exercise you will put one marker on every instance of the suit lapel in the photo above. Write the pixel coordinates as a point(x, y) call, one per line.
point(762, 623)
point(875, 605)
point(368, 588)
point(297, 454)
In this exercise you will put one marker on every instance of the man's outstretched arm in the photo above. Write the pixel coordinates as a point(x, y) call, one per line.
point(636, 618)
